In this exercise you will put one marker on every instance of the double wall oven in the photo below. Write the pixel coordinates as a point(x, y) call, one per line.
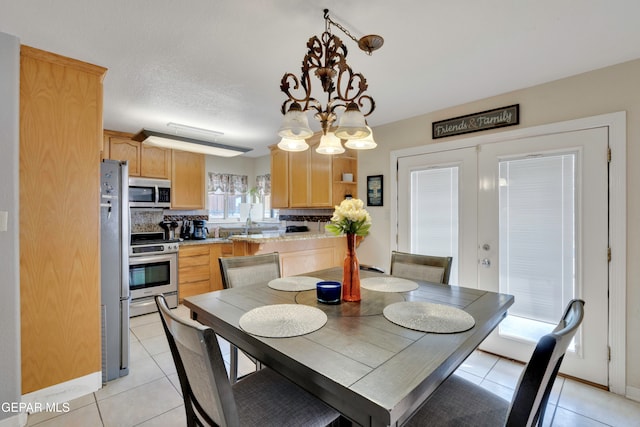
point(153, 269)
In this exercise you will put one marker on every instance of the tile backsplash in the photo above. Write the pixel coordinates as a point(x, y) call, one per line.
point(146, 220)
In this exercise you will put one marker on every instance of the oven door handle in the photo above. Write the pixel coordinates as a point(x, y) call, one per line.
point(146, 259)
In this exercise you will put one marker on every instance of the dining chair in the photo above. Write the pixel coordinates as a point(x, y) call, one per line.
point(244, 271)
point(249, 270)
point(367, 267)
point(262, 399)
point(429, 268)
point(458, 402)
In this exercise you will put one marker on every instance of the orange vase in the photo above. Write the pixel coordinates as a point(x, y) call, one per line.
point(351, 272)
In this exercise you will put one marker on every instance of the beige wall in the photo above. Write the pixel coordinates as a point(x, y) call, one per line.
point(607, 90)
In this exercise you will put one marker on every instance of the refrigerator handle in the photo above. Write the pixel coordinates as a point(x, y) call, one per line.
point(125, 214)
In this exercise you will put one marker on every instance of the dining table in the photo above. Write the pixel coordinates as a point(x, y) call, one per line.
point(370, 360)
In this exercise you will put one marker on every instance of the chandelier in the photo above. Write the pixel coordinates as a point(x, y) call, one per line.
point(345, 90)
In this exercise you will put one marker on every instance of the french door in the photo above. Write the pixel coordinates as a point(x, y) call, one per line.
point(528, 217)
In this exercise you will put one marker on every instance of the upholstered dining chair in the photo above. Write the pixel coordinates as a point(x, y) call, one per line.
point(244, 271)
point(262, 399)
point(458, 402)
point(249, 270)
point(429, 268)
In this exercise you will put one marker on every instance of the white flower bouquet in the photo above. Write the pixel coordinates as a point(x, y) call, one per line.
point(350, 218)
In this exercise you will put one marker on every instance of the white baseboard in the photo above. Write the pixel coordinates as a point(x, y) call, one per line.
point(633, 393)
point(18, 420)
point(57, 396)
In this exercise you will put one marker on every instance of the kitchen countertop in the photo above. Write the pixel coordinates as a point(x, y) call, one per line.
point(207, 241)
point(270, 237)
point(261, 238)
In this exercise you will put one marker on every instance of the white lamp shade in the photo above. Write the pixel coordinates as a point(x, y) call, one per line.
point(366, 143)
point(295, 124)
point(330, 144)
point(292, 144)
point(352, 124)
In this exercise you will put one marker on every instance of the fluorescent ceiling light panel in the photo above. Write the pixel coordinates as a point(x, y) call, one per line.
point(176, 142)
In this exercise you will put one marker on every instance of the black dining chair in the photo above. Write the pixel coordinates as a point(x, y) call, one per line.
point(264, 398)
point(429, 268)
point(458, 402)
point(244, 271)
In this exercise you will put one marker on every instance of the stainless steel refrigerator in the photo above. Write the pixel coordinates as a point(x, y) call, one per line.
point(114, 264)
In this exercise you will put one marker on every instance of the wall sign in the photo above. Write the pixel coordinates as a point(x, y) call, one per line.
point(374, 190)
point(490, 119)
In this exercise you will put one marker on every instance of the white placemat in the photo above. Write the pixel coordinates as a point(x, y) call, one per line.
point(294, 283)
point(428, 317)
point(282, 320)
point(388, 284)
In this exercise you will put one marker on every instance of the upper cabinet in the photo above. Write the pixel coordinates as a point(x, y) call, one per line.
point(144, 160)
point(187, 180)
point(155, 162)
point(185, 170)
point(344, 164)
point(306, 179)
point(279, 178)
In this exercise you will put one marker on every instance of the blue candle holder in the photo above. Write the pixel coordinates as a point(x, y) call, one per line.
point(329, 292)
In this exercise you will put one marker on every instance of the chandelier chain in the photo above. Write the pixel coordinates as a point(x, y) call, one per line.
point(344, 30)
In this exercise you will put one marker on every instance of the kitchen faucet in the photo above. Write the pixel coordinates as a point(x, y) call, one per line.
point(247, 224)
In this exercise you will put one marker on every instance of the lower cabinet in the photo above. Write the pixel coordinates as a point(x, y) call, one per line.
point(198, 268)
point(297, 256)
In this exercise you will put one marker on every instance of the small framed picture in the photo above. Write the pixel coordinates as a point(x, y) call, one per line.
point(374, 190)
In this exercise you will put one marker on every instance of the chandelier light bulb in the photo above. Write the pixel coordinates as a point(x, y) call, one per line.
point(330, 144)
point(295, 124)
point(352, 124)
point(293, 144)
point(366, 143)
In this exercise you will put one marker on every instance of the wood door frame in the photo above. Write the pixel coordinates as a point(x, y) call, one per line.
point(617, 128)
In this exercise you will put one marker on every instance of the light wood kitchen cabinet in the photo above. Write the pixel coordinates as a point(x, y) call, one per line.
point(61, 138)
point(306, 179)
point(299, 179)
point(187, 180)
point(310, 177)
point(198, 268)
point(155, 162)
point(279, 177)
point(144, 160)
point(346, 162)
point(122, 148)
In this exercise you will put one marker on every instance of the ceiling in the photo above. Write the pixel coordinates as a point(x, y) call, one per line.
point(217, 64)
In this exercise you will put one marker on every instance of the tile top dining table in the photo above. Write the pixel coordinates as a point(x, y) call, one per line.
point(375, 372)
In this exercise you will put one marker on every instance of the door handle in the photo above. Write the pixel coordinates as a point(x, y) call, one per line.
point(485, 262)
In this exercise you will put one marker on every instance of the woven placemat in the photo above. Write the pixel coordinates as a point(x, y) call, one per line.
point(294, 283)
point(282, 320)
point(429, 317)
point(388, 284)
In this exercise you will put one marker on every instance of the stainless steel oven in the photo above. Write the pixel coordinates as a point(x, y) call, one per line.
point(153, 269)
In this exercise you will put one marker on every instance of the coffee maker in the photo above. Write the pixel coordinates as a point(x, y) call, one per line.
point(200, 230)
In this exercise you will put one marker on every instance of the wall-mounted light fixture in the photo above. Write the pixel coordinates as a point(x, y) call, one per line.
point(326, 58)
point(188, 143)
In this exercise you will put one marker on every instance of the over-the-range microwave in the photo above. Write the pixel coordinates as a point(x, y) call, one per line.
point(149, 193)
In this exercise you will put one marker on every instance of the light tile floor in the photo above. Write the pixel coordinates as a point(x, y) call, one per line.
point(150, 395)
